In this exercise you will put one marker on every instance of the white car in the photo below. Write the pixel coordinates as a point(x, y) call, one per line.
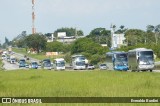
point(90, 67)
point(4, 56)
point(102, 66)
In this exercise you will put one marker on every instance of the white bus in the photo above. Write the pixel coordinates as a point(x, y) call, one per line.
point(79, 62)
point(59, 64)
point(141, 59)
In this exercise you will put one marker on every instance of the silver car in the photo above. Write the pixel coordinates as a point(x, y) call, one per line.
point(90, 67)
point(102, 66)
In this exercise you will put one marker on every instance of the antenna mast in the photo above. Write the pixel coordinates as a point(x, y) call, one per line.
point(33, 18)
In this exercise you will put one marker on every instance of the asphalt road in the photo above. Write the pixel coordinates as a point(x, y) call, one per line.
point(15, 66)
point(8, 66)
point(21, 56)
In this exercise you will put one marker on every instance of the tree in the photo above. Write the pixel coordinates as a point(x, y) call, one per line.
point(100, 35)
point(156, 30)
point(93, 51)
point(69, 32)
point(134, 36)
point(88, 46)
point(121, 30)
point(36, 41)
point(157, 33)
point(19, 41)
point(54, 46)
point(150, 28)
point(6, 41)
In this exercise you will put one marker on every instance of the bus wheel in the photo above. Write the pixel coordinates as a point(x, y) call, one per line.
point(150, 70)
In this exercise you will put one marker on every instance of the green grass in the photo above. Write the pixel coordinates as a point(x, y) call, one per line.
point(39, 56)
point(157, 67)
point(43, 83)
point(20, 50)
point(1, 65)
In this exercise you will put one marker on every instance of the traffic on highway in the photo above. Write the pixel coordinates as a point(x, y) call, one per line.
point(115, 61)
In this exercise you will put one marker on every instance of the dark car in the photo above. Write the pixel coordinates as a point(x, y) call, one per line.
point(22, 63)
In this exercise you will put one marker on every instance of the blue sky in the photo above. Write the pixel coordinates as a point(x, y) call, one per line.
point(82, 14)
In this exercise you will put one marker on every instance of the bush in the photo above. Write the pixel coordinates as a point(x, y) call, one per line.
point(95, 59)
point(68, 57)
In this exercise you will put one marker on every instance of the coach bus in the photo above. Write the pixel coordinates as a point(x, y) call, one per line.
point(79, 62)
point(59, 64)
point(141, 59)
point(117, 60)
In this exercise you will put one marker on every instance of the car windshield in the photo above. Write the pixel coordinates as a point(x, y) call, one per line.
point(22, 61)
point(90, 65)
point(103, 65)
point(34, 63)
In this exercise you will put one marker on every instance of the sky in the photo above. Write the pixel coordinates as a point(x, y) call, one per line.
point(85, 15)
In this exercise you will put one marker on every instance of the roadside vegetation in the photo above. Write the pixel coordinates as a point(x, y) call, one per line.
point(1, 65)
point(89, 46)
point(42, 83)
point(39, 56)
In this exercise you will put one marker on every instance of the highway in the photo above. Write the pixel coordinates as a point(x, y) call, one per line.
point(21, 56)
point(8, 66)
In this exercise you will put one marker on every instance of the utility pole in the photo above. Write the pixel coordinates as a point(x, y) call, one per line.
point(112, 32)
point(75, 32)
point(33, 17)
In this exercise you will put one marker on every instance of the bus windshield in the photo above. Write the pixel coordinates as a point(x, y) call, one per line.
point(121, 59)
point(60, 64)
point(81, 63)
point(82, 58)
point(47, 64)
point(146, 57)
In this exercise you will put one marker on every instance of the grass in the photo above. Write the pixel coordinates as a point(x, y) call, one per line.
point(157, 59)
point(1, 65)
point(40, 83)
point(39, 56)
point(157, 67)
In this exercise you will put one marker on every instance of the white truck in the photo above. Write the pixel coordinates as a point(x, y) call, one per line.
point(59, 64)
point(79, 62)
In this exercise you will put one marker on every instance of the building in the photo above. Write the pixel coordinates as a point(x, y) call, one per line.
point(118, 40)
